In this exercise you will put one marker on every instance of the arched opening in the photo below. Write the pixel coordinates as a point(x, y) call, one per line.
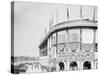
point(87, 65)
point(61, 65)
point(73, 66)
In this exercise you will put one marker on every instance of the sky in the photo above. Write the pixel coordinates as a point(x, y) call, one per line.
point(31, 19)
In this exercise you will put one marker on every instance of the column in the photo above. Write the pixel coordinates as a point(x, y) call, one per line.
point(92, 65)
point(56, 42)
point(80, 65)
point(68, 66)
point(65, 66)
point(57, 67)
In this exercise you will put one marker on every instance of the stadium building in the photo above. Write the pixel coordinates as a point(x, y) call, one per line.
point(70, 45)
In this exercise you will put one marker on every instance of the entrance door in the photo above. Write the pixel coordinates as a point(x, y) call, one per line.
point(87, 65)
point(61, 65)
point(73, 66)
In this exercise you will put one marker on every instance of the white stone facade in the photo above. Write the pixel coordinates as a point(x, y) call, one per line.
point(72, 47)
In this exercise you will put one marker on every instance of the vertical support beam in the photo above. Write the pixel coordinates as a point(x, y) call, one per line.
point(56, 43)
point(50, 50)
point(94, 39)
point(67, 38)
point(80, 28)
point(12, 37)
point(66, 41)
point(48, 47)
point(80, 39)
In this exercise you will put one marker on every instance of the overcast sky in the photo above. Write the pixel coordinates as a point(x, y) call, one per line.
point(31, 19)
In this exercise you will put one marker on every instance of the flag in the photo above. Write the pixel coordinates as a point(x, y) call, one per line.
point(94, 14)
point(45, 31)
point(80, 12)
point(51, 19)
point(50, 23)
point(67, 13)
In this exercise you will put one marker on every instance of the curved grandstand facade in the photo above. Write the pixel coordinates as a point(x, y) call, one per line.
point(70, 45)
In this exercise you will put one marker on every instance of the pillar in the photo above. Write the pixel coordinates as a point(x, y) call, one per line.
point(57, 67)
point(80, 65)
point(67, 64)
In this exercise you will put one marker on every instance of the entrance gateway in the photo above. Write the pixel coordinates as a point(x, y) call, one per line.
point(87, 65)
point(61, 65)
point(73, 66)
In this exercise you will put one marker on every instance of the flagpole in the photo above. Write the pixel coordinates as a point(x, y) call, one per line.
point(45, 31)
point(94, 14)
point(52, 19)
point(50, 23)
point(81, 13)
point(80, 28)
point(67, 14)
